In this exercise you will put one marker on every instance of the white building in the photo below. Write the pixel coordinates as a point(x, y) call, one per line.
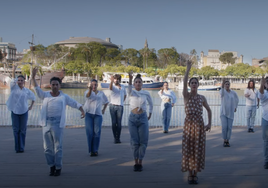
point(212, 59)
point(9, 49)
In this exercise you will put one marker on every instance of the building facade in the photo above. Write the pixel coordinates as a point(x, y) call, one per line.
point(9, 49)
point(258, 62)
point(212, 59)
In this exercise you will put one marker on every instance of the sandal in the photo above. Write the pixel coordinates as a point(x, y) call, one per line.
point(195, 180)
point(224, 144)
point(190, 180)
point(228, 144)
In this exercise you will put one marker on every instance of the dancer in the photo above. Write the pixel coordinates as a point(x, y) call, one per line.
point(138, 120)
point(168, 100)
point(53, 121)
point(194, 131)
point(17, 103)
point(252, 103)
point(264, 122)
point(95, 99)
point(118, 96)
point(229, 103)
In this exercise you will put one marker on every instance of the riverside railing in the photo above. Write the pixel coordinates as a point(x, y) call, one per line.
point(177, 118)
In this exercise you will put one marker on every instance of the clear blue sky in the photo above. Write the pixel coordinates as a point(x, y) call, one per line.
point(230, 25)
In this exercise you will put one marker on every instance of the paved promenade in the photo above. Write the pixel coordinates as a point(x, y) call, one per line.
point(240, 166)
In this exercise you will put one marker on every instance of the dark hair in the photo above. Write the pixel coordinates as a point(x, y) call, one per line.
point(21, 76)
point(55, 79)
point(193, 78)
point(138, 77)
point(165, 83)
point(266, 78)
point(118, 77)
point(253, 84)
point(94, 80)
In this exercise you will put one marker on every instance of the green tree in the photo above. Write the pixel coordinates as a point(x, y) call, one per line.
point(227, 58)
point(131, 56)
point(168, 56)
point(208, 71)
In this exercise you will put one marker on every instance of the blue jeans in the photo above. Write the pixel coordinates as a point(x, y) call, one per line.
point(116, 112)
point(19, 125)
point(251, 113)
point(226, 125)
point(139, 134)
point(93, 124)
point(52, 137)
point(166, 115)
point(264, 125)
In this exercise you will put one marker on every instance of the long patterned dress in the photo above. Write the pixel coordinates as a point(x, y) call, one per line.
point(194, 136)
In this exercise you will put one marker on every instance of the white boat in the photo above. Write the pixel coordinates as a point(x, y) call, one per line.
point(205, 85)
point(148, 82)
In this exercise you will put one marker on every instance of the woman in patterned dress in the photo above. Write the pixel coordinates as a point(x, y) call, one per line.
point(194, 131)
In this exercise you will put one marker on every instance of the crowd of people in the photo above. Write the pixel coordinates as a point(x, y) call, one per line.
point(53, 115)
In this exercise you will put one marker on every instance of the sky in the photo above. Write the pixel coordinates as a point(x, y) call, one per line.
point(224, 25)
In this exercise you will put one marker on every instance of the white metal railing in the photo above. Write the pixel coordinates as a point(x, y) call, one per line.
point(177, 119)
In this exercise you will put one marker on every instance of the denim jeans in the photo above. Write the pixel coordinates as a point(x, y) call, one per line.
point(19, 125)
point(264, 125)
point(139, 134)
point(226, 125)
point(166, 115)
point(52, 137)
point(116, 112)
point(250, 115)
point(93, 124)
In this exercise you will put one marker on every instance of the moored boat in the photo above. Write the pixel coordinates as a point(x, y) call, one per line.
point(204, 85)
point(148, 83)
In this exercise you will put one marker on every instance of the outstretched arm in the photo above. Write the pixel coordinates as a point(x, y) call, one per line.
point(262, 85)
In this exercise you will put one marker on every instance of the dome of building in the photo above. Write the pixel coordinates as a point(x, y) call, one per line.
point(72, 41)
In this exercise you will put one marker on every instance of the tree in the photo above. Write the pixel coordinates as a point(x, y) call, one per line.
point(227, 58)
point(112, 57)
point(208, 71)
point(168, 56)
point(145, 52)
point(131, 56)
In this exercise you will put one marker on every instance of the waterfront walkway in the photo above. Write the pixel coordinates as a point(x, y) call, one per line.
point(240, 166)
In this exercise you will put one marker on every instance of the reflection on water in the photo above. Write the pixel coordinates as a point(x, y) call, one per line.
point(178, 115)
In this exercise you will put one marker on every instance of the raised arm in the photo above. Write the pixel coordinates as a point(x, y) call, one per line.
point(111, 83)
point(35, 70)
point(130, 83)
point(89, 91)
point(40, 93)
point(262, 85)
point(185, 79)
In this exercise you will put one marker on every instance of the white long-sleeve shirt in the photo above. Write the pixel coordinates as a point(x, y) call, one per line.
point(229, 102)
point(18, 99)
point(137, 99)
point(252, 99)
point(264, 102)
point(64, 100)
point(168, 95)
point(94, 102)
point(118, 95)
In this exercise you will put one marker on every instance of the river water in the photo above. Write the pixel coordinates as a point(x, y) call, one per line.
point(178, 115)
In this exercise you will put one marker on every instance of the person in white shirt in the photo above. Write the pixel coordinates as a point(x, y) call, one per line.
point(52, 119)
point(168, 100)
point(229, 103)
point(252, 103)
point(118, 96)
point(263, 95)
point(138, 120)
point(17, 103)
point(95, 99)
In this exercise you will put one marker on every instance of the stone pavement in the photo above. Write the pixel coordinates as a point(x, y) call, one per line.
point(241, 165)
